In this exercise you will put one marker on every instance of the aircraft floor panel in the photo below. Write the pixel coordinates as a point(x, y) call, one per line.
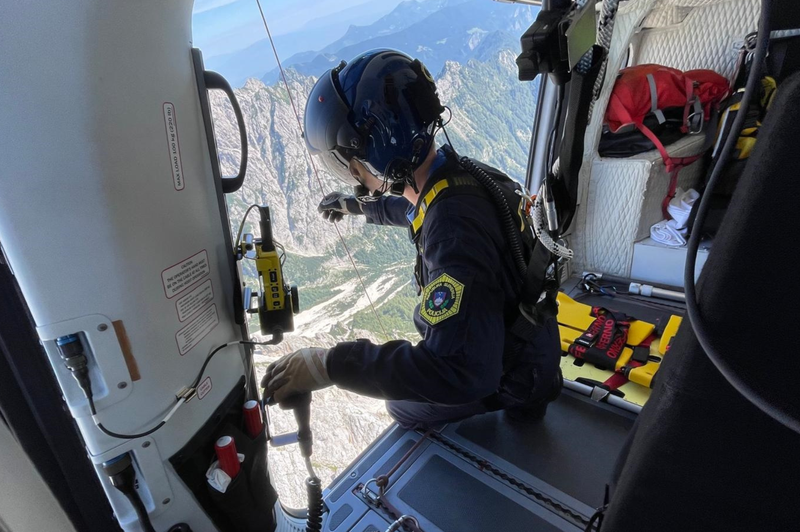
point(573, 449)
point(546, 476)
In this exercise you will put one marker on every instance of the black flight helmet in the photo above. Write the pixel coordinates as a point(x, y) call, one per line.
point(381, 108)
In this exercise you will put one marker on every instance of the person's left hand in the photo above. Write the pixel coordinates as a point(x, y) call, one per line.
point(296, 373)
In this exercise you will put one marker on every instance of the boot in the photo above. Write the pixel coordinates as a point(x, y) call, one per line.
point(535, 411)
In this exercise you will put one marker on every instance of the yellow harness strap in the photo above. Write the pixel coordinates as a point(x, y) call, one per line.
point(416, 224)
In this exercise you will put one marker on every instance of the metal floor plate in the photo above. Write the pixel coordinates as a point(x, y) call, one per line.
point(573, 449)
point(567, 457)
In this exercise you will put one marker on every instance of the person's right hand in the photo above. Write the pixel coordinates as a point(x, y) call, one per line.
point(336, 204)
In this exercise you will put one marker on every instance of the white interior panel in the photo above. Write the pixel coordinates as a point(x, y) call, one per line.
point(708, 36)
point(621, 198)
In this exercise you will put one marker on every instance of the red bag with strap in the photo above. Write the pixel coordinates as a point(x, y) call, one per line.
point(650, 89)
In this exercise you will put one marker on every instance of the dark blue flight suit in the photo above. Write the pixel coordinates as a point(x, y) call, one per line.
point(470, 359)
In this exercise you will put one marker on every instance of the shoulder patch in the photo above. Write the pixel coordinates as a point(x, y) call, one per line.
point(441, 299)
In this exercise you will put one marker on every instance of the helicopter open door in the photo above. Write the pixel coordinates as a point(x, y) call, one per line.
point(119, 269)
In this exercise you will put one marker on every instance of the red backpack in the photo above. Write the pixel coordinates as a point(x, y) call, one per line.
point(643, 90)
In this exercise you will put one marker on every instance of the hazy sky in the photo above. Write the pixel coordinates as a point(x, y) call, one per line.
point(224, 26)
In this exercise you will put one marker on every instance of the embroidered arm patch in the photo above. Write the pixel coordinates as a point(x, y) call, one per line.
point(441, 299)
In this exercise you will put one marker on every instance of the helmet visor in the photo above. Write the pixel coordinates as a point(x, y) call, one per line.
point(328, 130)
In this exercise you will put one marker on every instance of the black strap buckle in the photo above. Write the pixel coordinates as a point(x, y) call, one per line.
point(641, 354)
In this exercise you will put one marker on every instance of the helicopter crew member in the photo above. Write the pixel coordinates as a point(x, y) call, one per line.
point(373, 123)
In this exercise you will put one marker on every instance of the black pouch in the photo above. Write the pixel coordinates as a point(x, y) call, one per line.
point(250, 498)
point(632, 142)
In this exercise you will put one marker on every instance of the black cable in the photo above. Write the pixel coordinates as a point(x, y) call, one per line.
point(117, 435)
point(275, 339)
point(122, 476)
point(449, 117)
point(515, 242)
point(776, 412)
point(141, 512)
point(447, 137)
point(315, 505)
point(551, 142)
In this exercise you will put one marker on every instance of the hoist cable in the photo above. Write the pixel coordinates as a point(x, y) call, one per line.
point(316, 172)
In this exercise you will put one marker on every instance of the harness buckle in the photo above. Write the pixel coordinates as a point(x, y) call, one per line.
point(586, 340)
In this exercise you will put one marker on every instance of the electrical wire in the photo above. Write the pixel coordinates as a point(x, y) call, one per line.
point(179, 401)
point(316, 172)
point(699, 325)
point(241, 227)
point(449, 116)
point(446, 136)
point(178, 404)
point(279, 246)
point(310, 467)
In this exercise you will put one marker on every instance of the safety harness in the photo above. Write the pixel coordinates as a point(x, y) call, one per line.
point(444, 187)
point(537, 293)
point(536, 290)
point(613, 341)
point(604, 340)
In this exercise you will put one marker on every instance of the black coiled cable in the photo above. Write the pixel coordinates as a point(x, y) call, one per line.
point(514, 240)
point(315, 505)
point(783, 414)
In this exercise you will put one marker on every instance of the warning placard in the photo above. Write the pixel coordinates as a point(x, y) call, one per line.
point(173, 145)
point(187, 272)
point(204, 388)
point(194, 300)
point(197, 329)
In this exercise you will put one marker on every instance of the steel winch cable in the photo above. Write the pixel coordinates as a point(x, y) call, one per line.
point(316, 172)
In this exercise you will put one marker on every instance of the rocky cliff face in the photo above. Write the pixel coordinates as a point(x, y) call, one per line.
point(492, 117)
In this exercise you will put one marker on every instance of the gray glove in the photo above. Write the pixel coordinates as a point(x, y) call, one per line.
point(296, 373)
point(336, 204)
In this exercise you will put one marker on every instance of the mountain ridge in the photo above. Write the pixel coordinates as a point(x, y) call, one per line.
point(451, 32)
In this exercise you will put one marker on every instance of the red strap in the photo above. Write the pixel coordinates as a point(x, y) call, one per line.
point(673, 166)
point(673, 186)
point(690, 97)
point(659, 146)
point(618, 379)
point(615, 381)
point(677, 165)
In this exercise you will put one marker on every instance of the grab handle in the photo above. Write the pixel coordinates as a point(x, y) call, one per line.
point(214, 80)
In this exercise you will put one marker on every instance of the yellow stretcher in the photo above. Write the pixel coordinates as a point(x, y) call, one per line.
point(573, 320)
